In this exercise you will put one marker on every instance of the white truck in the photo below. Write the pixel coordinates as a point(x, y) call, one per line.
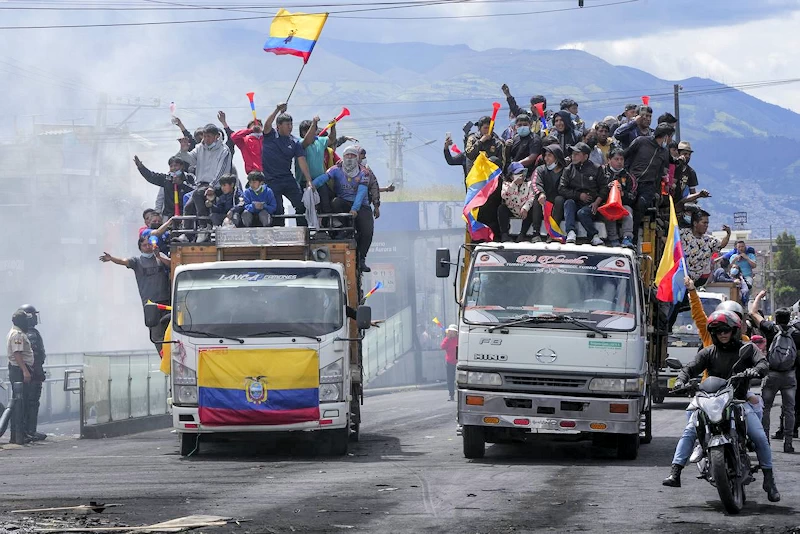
point(265, 345)
point(553, 339)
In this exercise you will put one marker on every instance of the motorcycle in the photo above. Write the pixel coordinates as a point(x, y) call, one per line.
point(722, 456)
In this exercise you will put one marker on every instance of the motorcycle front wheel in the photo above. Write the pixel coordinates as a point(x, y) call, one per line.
point(731, 492)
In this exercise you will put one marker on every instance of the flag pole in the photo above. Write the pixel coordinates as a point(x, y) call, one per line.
point(295, 82)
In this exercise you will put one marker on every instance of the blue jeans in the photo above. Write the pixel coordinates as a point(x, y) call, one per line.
point(754, 431)
point(288, 188)
point(584, 214)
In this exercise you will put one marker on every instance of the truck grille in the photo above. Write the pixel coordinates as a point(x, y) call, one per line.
point(545, 381)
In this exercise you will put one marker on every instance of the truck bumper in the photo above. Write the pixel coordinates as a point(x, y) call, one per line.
point(550, 414)
point(333, 415)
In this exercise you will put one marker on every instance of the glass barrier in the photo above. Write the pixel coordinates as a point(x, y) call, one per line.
point(383, 346)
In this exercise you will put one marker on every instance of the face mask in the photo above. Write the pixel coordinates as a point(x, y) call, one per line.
point(147, 254)
point(664, 144)
point(615, 170)
point(260, 189)
point(257, 134)
point(551, 166)
point(524, 131)
point(175, 173)
point(350, 167)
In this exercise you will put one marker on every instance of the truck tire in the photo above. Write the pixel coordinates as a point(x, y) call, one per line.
point(647, 436)
point(627, 446)
point(337, 441)
point(474, 441)
point(190, 444)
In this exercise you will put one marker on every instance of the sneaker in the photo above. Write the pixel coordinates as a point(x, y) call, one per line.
point(571, 236)
point(38, 436)
point(337, 223)
point(627, 242)
point(451, 399)
point(597, 241)
point(202, 237)
point(182, 238)
point(536, 239)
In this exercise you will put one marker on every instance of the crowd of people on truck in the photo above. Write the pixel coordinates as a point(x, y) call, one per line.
point(306, 171)
point(556, 157)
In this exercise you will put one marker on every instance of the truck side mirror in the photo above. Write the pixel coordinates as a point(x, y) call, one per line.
point(674, 363)
point(364, 317)
point(442, 263)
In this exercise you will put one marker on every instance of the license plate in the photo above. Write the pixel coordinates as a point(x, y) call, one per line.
point(671, 382)
point(543, 423)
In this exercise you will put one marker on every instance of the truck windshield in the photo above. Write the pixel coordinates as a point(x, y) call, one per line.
point(595, 288)
point(684, 324)
point(250, 302)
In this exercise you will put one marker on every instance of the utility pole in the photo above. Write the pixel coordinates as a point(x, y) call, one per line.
point(676, 89)
point(396, 139)
point(771, 274)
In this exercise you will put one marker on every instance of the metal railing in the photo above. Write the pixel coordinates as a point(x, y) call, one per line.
point(383, 346)
point(333, 226)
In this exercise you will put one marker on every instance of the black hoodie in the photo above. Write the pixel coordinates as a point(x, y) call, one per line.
point(545, 181)
point(568, 138)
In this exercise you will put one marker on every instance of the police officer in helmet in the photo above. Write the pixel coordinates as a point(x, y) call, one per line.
point(38, 377)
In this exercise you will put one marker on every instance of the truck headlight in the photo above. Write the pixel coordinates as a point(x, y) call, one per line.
point(330, 392)
point(186, 395)
point(484, 379)
point(331, 373)
point(617, 385)
point(182, 375)
point(461, 376)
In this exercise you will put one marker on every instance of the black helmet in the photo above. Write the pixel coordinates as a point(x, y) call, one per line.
point(731, 306)
point(21, 319)
point(33, 312)
point(721, 321)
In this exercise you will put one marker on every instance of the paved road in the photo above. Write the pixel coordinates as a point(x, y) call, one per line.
point(406, 475)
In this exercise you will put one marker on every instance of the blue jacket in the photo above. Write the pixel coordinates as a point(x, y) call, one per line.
point(225, 203)
point(266, 196)
point(352, 190)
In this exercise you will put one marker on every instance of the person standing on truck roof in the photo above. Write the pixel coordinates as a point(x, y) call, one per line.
point(570, 106)
point(459, 160)
point(525, 146)
point(603, 144)
point(546, 178)
point(563, 131)
point(20, 365)
point(249, 140)
point(483, 141)
point(580, 186)
point(685, 182)
point(450, 347)
point(280, 148)
point(784, 359)
point(698, 247)
point(38, 377)
point(639, 126)
point(352, 195)
point(152, 277)
point(647, 159)
point(315, 147)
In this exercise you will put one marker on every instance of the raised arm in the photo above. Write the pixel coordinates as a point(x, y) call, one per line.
point(757, 317)
point(280, 108)
point(106, 257)
point(311, 134)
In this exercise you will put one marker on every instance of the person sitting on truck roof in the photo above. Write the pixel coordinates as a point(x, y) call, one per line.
point(249, 140)
point(518, 199)
point(177, 175)
point(580, 186)
point(280, 149)
point(351, 189)
point(615, 171)
point(225, 204)
point(152, 277)
point(524, 146)
point(259, 202)
point(546, 178)
point(647, 159)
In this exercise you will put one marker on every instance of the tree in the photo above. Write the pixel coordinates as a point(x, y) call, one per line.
point(786, 270)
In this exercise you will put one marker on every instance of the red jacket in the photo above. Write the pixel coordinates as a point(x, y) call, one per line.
point(250, 145)
point(450, 348)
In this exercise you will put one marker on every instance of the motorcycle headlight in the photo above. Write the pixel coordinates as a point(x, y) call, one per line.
point(182, 375)
point(616, 385)
point(186, 395)
point(330, 392)
point(714, 407)
point(484, 379)
point(331, 373)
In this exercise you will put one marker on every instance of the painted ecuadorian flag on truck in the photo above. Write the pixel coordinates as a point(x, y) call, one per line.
point(258, 386)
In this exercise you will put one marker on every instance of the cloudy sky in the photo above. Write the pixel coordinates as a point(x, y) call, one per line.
point(732, 41)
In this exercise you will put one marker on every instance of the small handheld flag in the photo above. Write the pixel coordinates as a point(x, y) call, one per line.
point(438, 323)
point(550, 224)
point(345, 113)
point(252, 104)
point(495, 109)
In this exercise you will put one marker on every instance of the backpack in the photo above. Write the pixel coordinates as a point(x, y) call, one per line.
point(782, 352)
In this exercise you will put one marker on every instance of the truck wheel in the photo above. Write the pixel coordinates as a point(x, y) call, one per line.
point(474, 441)
point(355, 420)
point(648, 427)
point(627, 446)
point(338, 440)
point(190, 444)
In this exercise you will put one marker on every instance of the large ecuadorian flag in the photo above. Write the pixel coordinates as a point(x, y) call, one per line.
point(295, 34)
point(258, 386)
point(672, 269)
point(481, 182)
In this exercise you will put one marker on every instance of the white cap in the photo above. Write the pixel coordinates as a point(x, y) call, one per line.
point(452, 327)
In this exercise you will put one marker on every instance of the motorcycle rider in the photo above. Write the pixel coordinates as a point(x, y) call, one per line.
point(726, 357)
point(38, 377)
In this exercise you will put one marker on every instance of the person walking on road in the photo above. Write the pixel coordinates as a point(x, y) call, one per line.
point(450, 348)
